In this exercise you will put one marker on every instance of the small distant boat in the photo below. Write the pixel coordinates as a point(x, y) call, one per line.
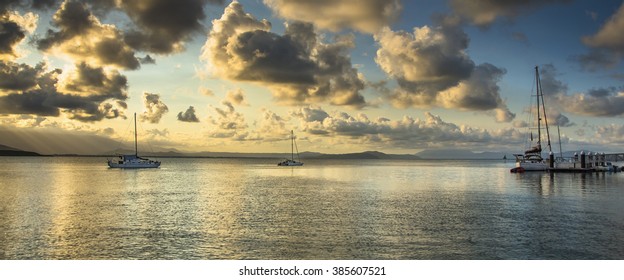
point(292, 161)
point(133, 161)
point(532, 159)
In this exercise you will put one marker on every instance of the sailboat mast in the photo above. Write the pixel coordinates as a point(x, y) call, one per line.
point(292, 141)
point(541, 93)
point(136, 149)
point(539, 118)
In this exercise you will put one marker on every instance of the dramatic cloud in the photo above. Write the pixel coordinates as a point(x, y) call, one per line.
point(425, 61)
point(164, 25)
point(363, 15)
point(406, 133)
point(154, 108)
point(85, 93)
point(296, 66)
point(13, 30)
point(14, 76)
point(188, 115)
point(485, 12)
point(94, 81)
point(82, 36)
point(607, 45)
point(479, 93)
point(432, 68)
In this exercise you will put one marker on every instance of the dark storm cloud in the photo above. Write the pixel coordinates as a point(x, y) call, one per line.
point(188, 115)
point(163, 24)
point(296, 66)
point(82, 36)
point(88, 94)
point(147, 60)
point(10, 35)
point(485, 12)
point(14, 76)
point(95, 81)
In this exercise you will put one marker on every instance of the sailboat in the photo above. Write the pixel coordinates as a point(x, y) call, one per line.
point(133, 161)
point(532, 159)
point(292, 161)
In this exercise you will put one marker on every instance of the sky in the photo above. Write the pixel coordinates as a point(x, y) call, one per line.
point(344, 75)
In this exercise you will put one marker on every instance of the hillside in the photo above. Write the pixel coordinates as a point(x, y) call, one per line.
point(10, 151)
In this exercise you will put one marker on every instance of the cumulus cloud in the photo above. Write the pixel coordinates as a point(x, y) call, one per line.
point(611, 133)
point(600, 102)
point(269, 127)
point(13, 30)
point(82, 36)
point(163, 25)
point(404, 133)
point(432, 68)
point(362, 15)
point(296, 66)
point(485, 12)
point(188, 115)
point(597, 102)
point(425, 61)
point(154, 108)
point(607, 45)
point(85, 93)
point(228, 123)
point(236, 97)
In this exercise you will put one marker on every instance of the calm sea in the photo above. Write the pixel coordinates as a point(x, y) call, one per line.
point(78, 208)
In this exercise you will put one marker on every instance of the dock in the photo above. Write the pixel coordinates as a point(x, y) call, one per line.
point(586, 163)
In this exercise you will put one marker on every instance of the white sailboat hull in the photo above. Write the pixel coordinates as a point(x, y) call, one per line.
point(290, 163)
point(132, 161)
point(532, 166)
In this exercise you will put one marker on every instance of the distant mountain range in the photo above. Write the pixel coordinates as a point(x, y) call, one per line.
point(461, 154)
point(10, 151)
point(437, 154)
point(304, 155)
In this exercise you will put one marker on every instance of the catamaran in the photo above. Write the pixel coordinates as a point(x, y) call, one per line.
point(532, 159)
point(292, 161)
point(133, 161)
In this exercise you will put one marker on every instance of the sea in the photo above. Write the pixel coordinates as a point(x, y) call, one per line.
point(76, 208)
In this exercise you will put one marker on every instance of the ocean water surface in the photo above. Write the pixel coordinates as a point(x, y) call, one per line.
point(78, 208)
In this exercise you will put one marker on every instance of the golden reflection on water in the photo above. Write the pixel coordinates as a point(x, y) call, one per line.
point(76, 208)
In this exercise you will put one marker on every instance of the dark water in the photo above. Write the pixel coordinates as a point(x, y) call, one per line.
point(77, 208)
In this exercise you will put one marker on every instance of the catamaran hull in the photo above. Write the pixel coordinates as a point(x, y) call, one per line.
point(533, 166)
point(130, 166)
point(290, 164)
